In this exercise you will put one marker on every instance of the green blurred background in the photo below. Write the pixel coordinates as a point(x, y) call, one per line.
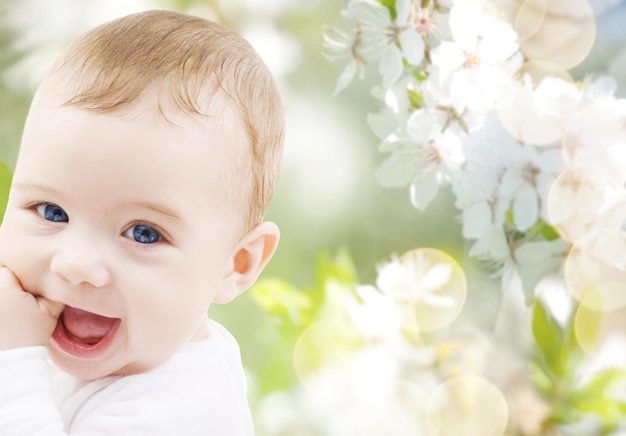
point(327, 197)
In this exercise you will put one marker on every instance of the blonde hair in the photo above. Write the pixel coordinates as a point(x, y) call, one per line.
point(117, 62)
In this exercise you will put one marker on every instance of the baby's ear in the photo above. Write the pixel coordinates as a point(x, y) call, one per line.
point(248, 260)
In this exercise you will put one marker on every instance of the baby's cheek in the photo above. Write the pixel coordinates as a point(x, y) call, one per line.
point(19, 257)
point(5, 246)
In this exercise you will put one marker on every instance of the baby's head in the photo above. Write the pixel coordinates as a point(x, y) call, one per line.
point(169, 62)
point(147, 163)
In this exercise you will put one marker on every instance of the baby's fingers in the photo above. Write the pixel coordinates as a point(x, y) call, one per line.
point(25, 319)
point(8, 279)
point(52, 308)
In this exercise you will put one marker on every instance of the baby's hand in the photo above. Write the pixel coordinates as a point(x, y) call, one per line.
point(25, 319)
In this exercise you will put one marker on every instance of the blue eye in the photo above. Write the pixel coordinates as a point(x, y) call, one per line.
point(52, 212)
point(143, 234)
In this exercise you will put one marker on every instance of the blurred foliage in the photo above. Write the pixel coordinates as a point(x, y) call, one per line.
point(315, 331)
point(292, 310)
point(5, 183)
point(13, 106)
point(556, 373)
point(13, 102)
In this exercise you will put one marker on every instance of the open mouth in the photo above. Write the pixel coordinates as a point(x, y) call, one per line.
point(84, 334)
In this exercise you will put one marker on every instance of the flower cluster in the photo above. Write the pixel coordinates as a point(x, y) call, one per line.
point(537, 164)
point(536, 161)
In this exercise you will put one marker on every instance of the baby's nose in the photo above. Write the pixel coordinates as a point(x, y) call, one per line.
point(81, 264)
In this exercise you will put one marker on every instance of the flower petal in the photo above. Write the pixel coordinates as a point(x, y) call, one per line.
point(403, 9)
point(476, 217)
point(436, 277)
point(437, 300)
point(396, 171)
point(420, 125)
point(390, 275)
point(424, 189)
point(390, 66)
point(370, 13)
point(525, 207)
point(498, 40)
point(412, 46)
point(346, 77)
point(382, 123)
point(447, 56)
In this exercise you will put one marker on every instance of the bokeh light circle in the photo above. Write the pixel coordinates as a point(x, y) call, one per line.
point(594, 270)
point(562, 31)
point(593, 325)
point(539, 69)
point(468, 406)
point(323, 343)
point(529, 18)
point(575, 199)
point(434, 289)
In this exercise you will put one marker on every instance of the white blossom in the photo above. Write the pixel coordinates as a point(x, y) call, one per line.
point(587, 196)
point(344, 45)
point(541, 115)
point(513, 151)
point(480, 43)
point(389, 41)
point(415, 278)
point(598, 125)
point(376, 316)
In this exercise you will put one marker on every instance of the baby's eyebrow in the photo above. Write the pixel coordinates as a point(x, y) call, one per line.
point(155, 207)
point(36, 187)
point(158, 208)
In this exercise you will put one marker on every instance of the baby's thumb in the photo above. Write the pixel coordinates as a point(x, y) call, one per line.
point(53, 308)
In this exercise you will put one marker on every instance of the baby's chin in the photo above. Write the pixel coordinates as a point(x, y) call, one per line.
point(91, 370)
point(84, 371)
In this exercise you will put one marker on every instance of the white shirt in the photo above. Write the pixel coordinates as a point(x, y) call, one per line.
point(200, 391)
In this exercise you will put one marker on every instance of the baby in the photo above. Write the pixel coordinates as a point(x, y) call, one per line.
point(147, 163)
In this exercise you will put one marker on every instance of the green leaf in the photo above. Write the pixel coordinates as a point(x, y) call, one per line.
point(549, 338)
point(595, 396)
point(282, 300)
point(549, 232)
point(605, 379)
point(540, 379)
point(297, 314)
point(340, 267)
point(415, 99)
point(573, 351)
point(391, 5)
point(508, 217)
point(277, 373)
point(420, 74)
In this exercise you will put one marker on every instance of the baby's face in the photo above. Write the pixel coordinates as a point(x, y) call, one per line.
point(123, 218)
